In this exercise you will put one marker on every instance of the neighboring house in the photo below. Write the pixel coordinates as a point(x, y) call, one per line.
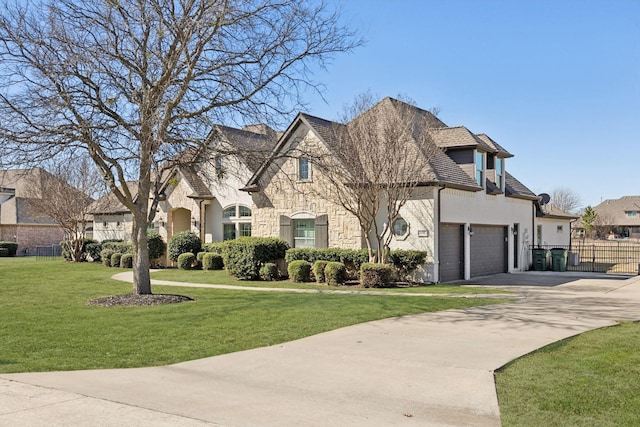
point(469, 214)
point(619, 217)
point(201, 197)
point(18, 221)
point(553, 226)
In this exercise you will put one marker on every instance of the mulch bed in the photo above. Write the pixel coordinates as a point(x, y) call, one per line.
point(133, 300)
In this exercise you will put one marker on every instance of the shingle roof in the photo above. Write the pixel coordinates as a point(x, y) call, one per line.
point(497, 147)
point(514, 188)
point(550, 211)
point(459, 137)
point(109, 204)
point(612, 211)
point(252, 147)
point(200, 189)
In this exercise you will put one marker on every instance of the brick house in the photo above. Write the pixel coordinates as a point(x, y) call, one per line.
point(18, 221)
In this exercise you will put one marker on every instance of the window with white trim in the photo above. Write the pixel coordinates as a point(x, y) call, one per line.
point(480, 168)
point(236, 221)
point(499, 168)
point(304, 233)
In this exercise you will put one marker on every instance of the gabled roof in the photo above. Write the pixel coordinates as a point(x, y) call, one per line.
point(252, 147)
point(109, 203)
point(612, 211)
point(499, 150)
point(459, 137)
point(200, 189)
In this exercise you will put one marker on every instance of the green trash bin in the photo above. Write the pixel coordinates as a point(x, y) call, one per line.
point(539, 259)
point(559, 259)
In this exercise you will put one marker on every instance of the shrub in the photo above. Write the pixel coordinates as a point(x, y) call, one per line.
point(244, 256)
point(375, 275)
point(185, 260)
point(105, 255)
point(118, 247)
point(184, 242)
point(350, 257)
point(318, 270)
point(157, 246)
point(299, 271)
point(335, 273)
point(93, 250)
point(212, 261)
point(126, 261)
point(115, 259)
point(11, 247)
point(215, 247)
point(406, 261)
point(269, 271)
point(4, 252)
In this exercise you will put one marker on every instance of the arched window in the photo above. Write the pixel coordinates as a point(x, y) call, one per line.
point(236, 222)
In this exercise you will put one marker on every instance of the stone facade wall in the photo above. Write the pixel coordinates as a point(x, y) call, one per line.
point(283, 194)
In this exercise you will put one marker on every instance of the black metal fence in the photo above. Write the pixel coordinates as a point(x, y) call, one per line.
point(598, 256)
point(48, 252)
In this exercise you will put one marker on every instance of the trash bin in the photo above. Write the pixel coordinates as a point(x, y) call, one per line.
point(559, 259)
point(539, 259)
point(574, 259)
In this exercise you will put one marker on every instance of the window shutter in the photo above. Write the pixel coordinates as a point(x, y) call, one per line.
point(286, 232)
point(322, 231)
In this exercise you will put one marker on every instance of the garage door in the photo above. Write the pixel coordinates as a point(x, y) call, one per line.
point(488, 250)
point(451, 252)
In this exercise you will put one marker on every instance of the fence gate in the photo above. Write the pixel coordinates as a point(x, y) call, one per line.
point(600, 256)
point(48, 252)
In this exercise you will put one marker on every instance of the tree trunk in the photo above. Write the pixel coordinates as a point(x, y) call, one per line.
point(141, 276)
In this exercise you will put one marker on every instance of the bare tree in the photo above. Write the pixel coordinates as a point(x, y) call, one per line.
point(565, 199)
point(136, 82)
point(379, 157)
point(64, 196)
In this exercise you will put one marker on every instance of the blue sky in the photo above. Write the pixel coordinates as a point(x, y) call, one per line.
point(557, 83)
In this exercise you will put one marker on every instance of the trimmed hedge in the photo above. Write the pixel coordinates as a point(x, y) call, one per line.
point(318, 271)
point(299, 271)
point(215, 247)
point(211, 261)
point(406, 261)
point(350, 257)
point(184, 242)
point(115, 259)
point(118, 247)
point(186, 260)
point(105, 255)
point(375, 275)
point(11, 247)
point(335, 273)
point(269, 272)
point(126, 261)
point(4, 252)
point(243, 257)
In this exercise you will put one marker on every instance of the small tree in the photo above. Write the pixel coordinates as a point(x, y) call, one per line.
point(64, 196)
point(565, 199)
point(589, 217)
point(379, 156)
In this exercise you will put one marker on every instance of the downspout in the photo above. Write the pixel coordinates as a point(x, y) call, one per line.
point(439, 222)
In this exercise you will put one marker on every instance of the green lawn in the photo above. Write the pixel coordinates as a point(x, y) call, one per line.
point(588, 380)
point(220, 277)
point(46, 324)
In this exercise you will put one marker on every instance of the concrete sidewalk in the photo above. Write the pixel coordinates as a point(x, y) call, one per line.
point(432, 369)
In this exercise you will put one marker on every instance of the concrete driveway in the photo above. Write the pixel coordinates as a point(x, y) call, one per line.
point(432, 369)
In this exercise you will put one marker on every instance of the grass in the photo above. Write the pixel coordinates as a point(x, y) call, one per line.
point(46, 324)
point(588, 380)
point(221, 277)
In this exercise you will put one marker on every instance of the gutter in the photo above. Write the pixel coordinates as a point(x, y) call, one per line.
point(439, 229)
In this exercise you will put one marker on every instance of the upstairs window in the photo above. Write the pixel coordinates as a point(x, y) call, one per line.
point(499, 173)
point(632, 213)
point(304, 169)
point(480, 169)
